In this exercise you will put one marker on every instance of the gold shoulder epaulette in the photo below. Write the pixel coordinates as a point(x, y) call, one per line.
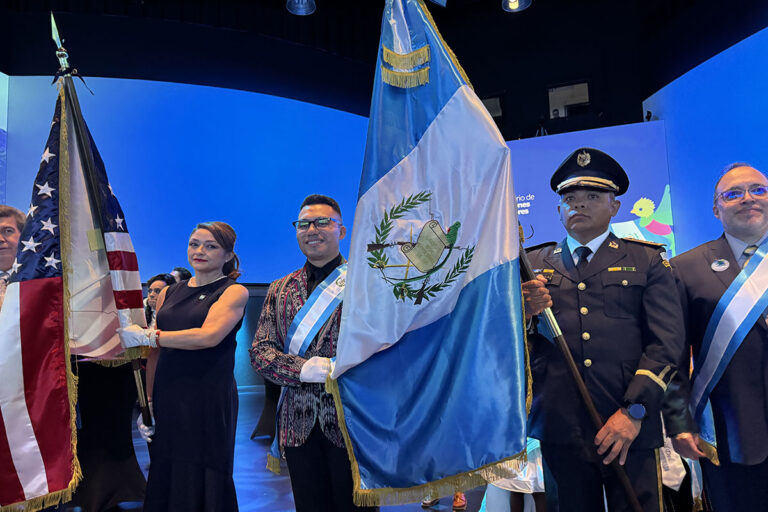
point(539, 246)
point(644, 242)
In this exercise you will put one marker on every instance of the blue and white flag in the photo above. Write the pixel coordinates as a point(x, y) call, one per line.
point(430, 362)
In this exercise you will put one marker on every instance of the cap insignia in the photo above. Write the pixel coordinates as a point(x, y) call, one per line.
point(583, 159)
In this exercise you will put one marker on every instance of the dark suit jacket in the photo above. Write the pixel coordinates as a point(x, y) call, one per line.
point(623, 323)
point(739, 399)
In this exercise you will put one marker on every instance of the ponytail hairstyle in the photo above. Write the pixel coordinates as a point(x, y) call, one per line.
point(225, 236)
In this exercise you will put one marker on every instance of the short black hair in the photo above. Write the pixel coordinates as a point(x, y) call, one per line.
point(321, 199)
point(184, 274)
point(166, 278)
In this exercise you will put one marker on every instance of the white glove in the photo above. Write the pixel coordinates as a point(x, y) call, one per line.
point(146, 432)
point(135, 336)
point(316, 369)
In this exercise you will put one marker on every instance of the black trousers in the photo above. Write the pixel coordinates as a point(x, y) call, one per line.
point(736, 487)
point(580, 475)
point(321, 477)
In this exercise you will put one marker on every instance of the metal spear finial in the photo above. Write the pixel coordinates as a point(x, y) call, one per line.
point(61, 52)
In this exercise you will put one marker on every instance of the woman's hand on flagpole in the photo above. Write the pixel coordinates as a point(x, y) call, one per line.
point(135, 336)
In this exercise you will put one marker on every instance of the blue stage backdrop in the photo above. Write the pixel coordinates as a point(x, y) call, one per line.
point(3, 134)
point(714, 115)
point(639, 148)
point(179, 154)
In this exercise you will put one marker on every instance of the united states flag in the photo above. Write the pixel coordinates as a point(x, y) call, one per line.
point(71, 285)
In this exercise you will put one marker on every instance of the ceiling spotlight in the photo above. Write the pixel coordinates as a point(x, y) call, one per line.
point(302, 7)
point(515, 5)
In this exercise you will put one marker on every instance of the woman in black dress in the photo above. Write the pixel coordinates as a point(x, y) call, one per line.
point(190, 379)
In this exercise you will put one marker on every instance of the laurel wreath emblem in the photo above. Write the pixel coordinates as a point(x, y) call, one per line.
point(402, 287)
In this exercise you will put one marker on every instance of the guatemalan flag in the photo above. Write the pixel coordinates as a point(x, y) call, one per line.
point(430, 367)
point(70, 287)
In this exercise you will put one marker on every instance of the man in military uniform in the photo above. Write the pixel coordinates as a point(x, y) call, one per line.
point(616, 303)
point(708, 275)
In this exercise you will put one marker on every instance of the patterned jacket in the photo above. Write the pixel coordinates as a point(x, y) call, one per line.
point(303, 404)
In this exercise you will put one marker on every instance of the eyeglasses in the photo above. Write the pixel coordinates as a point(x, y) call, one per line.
point(756, 191)
point(320, 223)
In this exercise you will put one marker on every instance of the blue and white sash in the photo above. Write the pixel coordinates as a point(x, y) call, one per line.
point(735, 314)
point(325, 298)
point(318, 308)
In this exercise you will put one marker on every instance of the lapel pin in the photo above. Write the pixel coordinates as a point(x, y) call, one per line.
point(720, 265)
point(613, 244)
point(557, 250)
point(201, 297)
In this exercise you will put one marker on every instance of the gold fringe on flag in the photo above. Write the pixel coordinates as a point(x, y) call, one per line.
point(490, 473)
point(709, 450)
point(273, 464)
point(406, 60)
point(63, 495)
point(405, 79)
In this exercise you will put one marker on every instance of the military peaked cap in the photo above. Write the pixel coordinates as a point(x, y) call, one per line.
point(590, 168)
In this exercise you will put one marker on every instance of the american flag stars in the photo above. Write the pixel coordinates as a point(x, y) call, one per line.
point(51, 261)
point(48, 225)
point(30, 245)
point(45, 190)
point(47, 155)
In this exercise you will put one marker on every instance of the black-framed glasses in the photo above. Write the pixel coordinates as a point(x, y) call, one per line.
point(320, 223)
point(735, 194)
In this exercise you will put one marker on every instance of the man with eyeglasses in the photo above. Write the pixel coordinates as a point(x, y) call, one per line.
point(724, 288)
point(293, 346)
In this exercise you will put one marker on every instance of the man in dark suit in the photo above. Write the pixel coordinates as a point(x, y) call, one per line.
point(616, 303)
point(739, 398)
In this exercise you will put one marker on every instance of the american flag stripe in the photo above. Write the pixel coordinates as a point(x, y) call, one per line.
point(116, 241)
point(123, 280)
point(45, 353)
point(121, 260)
point(127, 299)
point(25, 454)
point(9, 481)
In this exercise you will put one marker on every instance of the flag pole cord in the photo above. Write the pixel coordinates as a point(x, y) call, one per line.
point(549, 318)
point(86, 157)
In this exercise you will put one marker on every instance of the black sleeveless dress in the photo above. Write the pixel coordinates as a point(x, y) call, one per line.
point(195, 405)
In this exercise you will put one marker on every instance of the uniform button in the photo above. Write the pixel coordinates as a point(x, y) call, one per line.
point(585, 336)
point(583, 310)
point(625, 283)
point(582, 286)
point(587, 363)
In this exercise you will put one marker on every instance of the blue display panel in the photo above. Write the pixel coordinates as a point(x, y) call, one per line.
point(714, 115)
point(639, 148)
point(180, 154)
point(3, 134)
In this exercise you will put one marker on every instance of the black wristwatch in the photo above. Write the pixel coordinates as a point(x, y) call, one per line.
point(636, 411)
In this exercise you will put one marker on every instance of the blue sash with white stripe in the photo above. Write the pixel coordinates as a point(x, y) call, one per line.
point(318, 308)
point(735, 314)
